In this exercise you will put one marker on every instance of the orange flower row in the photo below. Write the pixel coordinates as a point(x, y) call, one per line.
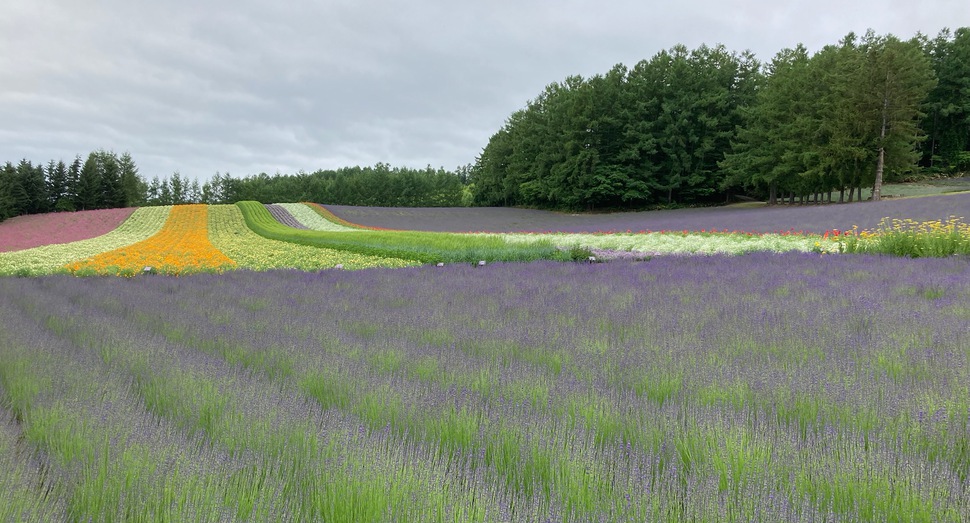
point(181, 246)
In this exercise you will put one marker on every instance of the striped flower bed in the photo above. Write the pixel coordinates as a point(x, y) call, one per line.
point(26, 232)
point(311, 219)
point(283, 216)
point(142, 224)
point(229, 233)
point(181, 246)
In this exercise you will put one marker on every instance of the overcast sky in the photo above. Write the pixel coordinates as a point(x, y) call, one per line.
point(244, 86)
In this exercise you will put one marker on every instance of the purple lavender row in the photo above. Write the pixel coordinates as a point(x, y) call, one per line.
point(283, 216)
point(810, 219)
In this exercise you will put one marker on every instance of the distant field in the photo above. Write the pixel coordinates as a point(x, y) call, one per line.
point(808, 218)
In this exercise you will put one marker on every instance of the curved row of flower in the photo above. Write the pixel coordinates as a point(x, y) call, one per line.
point(229, 233)
point(36, 230)
point(651, 243)
point(181, 246)
point(313, 220)
point(142, 224)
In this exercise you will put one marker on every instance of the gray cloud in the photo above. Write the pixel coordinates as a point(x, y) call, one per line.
point(250, 86)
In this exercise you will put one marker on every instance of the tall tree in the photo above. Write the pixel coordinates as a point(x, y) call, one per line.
point(947, 123)
point(178, 188)
point(57, 186)
point(133, 187)
point(899, 78)
point(112, 192)
point(8, 199)
point(89, 193)
point(771, 146)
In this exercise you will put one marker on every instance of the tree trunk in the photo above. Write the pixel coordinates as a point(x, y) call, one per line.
point(881, 162)
point(773, 193)
point(791, 198)
point(841, 194)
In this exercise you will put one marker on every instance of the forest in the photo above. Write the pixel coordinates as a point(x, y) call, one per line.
point(690, 127)
point(684, 128)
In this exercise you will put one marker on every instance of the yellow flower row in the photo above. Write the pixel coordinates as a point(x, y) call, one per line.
point(229, 233)
point(181, 246)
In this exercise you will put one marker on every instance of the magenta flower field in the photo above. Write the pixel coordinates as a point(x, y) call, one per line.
point(25, 232)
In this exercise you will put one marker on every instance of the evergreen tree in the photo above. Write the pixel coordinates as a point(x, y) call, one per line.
point(8, 200)
point(89, 193)
point(57, 181)
point(899, 78)
point(132, 185)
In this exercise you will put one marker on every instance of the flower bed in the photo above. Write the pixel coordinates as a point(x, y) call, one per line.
point(26, 232)
point(229, 233)
point(680, 242)
point(181, 246)
point(142, 224)
point(283, 216)
point(311, 219)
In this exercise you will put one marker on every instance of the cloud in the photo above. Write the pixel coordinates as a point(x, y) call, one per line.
point(250, 87)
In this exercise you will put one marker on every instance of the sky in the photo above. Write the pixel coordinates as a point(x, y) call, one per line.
point(244, 86)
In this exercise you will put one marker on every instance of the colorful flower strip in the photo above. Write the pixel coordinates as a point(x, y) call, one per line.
point(142, 224)
point(304, 214)
point(283, 216)
point(182, 246)
point(36, 230)
point(904, 237)
point(229, 233)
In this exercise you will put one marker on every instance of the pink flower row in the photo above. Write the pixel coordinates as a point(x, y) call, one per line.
point(25, 232)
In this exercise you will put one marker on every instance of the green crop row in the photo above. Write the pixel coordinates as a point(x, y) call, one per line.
point(425, 247)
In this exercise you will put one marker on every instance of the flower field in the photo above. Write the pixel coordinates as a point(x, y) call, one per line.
point(765, 387)
point(680, 242)
point(25, 232)
point(142, 224)
point(229, 234)
point(309, 237)
point(311, 219)
point(182, 245)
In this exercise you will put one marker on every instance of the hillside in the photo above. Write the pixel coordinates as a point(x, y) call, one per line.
point(215, 238)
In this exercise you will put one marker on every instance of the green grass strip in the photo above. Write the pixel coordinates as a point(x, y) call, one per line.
point(425, 247)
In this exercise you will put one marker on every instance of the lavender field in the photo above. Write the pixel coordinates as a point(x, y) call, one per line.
point(764, 387)
point(808, 218)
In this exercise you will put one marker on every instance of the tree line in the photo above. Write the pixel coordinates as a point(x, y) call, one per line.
point(695, 126)
point(106, 180)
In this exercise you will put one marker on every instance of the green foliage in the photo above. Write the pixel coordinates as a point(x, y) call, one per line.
point(629, 138)
point(912, 239)
point(425, 247)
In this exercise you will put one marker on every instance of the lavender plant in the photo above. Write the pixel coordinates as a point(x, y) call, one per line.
point(763, 387)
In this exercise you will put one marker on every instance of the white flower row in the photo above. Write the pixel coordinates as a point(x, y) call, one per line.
point(675, 243)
